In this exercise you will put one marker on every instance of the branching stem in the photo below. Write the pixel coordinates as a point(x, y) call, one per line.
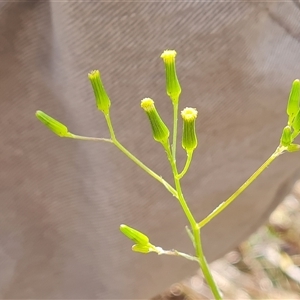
point(227, 202)
point(137, 161)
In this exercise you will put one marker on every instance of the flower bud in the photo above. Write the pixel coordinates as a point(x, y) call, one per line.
point(293, 102)
point(143, 248)
point(102, 99)
point(54, 125)
point(134, 235)
point(159, 130)
point(286, 137)
point(296, 124)
point(189, 137)
point(173, 86)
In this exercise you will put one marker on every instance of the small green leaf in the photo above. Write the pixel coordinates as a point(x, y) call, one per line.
point(286, 137)
point(134, 235)
point(293, 102)
point(54, 125)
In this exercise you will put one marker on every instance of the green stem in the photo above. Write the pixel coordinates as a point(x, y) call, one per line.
point(175, 122)
point(180, 197)
point(195, 228)
point(86, 138)
point(204, 265)
point(173, 252)
point(137, 161)
point(110, 127)
point(187, 164)
point(224, 204)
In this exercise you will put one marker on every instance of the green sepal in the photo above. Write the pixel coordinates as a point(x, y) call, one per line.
point(189, 137)
point(102, 99)
point(293, 148)
point(54, 125)
point(286, 137)
point(293, 102)
point(160, 131)
point(135, 235)
point(172, 83)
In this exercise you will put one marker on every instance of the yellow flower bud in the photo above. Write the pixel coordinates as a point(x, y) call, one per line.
point(293, 102)
point(159, 130)
point(173, 86)
point(189, 137)
point(102, 99)
point(54, 125)
point(134, 235)
point(286, 137)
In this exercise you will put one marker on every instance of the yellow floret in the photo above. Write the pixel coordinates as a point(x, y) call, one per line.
point(189, 114)
point(147, 104)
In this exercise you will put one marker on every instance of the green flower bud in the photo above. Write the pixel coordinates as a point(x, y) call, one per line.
point(296, 124)
point(102, 99)
point(55, 126)
point(143, 248)
point(286, 137)
point(293, 102)
point(293, 148)
point(159, 130)
point(134, 235)
point(173, 86)
point(189, 137)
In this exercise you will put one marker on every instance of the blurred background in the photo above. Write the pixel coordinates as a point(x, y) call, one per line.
point(62, 201)
point(265, 266)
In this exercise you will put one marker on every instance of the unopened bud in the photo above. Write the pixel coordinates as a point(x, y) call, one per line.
point(173, 86)
point(134, 235)
point(293, 148)
point(102, 99)
point(54, 125)
point(293, 102)
point(286, 137)
point(159, 130)
point(189, 137)
point(296, 124)
point(143, 248)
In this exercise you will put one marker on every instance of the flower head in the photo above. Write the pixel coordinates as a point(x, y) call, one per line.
point(173, 86)
point(159, 130)
point(54, 125)
point(102, 99)
point(189, 137)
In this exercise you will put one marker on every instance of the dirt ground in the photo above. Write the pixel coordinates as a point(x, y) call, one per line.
point(266, 266)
